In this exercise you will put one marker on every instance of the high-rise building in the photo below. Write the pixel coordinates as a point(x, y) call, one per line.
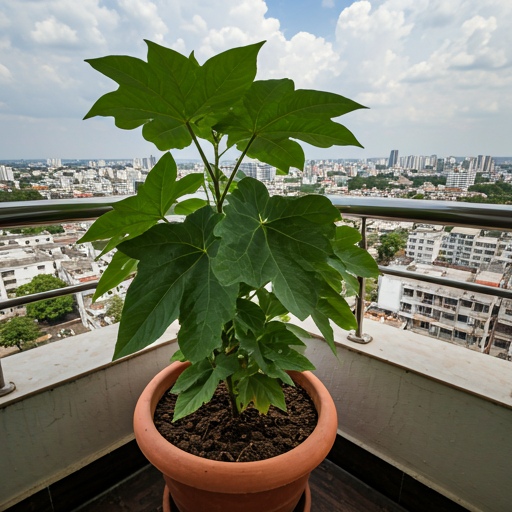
point(460, 179)
point(255, 169)
point(484, 163)
point(6, 173)
point(152, 161)
point(393, 158)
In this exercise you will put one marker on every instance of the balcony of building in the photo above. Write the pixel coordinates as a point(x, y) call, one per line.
point(423, 425)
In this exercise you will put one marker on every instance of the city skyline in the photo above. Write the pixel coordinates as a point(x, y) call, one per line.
point(435, 75)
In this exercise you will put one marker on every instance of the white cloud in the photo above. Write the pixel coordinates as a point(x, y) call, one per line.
point(50, 31)
point(145, 12)
point(5, 74)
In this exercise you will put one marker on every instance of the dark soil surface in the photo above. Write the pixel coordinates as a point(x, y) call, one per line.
point(211, 432)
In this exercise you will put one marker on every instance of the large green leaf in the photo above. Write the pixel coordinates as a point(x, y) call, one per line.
point(274, 112)
point(275, 239)
point(262, 391)
point(170, 92)
point(248, 316)
point(175, 278)
point(197, 384)
point(134, 215)
point(117, 271)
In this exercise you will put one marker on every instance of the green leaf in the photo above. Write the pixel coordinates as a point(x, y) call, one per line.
point(117, 271)
point(270, 304)
point(351, 282)
point(299, 332)
point(248, 316)
point(275, 239)
point(175, 278)
point(189, 206)
point(178, 356)
point(323, 324)
point(200, 383)
point(198, 372)
point(262, 391)
point(169, 91)
point(275, 112)
point(134, 215)
point(249, 344)
point(355, 259)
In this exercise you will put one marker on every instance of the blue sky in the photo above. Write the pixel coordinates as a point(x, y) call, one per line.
point(435, 74)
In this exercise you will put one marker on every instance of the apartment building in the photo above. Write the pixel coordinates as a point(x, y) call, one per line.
point(470, 319)
point(465, 247)
point(424, 246)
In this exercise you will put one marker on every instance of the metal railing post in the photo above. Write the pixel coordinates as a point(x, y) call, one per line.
point(5, 389)
point(358, 336)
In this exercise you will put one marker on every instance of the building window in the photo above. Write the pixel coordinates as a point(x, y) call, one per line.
point(430, 242)
point(8, 273)
point(462, 318)
point(481, 308)
point(466, 303)
point(460, 335)
point(10, 281)
point(408, 292)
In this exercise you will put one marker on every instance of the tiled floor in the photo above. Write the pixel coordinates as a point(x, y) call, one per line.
point(332, 490)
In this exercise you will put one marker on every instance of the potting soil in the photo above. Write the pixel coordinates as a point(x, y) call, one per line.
point(212, 432)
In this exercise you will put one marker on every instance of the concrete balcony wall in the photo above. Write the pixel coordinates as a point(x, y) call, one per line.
point(72, 405)
point(437, 411)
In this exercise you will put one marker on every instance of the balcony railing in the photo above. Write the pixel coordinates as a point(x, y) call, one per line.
point(483, 216)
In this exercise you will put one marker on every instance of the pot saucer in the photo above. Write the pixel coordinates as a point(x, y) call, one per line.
point(304, 504)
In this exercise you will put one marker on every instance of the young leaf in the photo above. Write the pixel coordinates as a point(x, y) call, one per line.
point(248, 316)
point(270, 304)
point(178, 356)
point(169, 91)
point(323, 324)
point(262, 391)
point(275, 239)
point(189, 206)
point(174, 279)
point(200, 384)
point(134, 215)
point(117, 271)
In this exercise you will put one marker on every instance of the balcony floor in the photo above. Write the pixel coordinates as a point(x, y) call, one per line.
point(332, 490)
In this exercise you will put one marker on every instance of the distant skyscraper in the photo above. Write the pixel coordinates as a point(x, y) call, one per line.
point(393, 158)
point(152, 161)
point(484, 163)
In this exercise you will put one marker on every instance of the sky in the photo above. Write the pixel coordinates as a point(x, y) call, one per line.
point(435, 74)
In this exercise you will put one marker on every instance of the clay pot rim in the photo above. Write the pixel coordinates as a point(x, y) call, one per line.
point(218, 476)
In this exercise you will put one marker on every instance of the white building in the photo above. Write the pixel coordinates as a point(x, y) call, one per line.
point(424, 246)
point(460, 179)
point(465, 246)
point(258, 170)
point(6, 173)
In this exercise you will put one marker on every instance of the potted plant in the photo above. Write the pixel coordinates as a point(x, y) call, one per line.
point(240, 260)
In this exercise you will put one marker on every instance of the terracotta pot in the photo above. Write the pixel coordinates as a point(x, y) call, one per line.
point(199, 485)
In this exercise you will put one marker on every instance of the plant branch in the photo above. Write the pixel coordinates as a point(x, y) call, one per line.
point(233, 174)
point(207, 165)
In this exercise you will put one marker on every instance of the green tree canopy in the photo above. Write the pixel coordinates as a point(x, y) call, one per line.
point(17, 331)
point(20, 195)
point(50, 309)
point(390, 244)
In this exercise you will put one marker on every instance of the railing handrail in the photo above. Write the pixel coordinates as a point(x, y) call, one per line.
point(19, 214)
point(488, 216)
point(448, 213)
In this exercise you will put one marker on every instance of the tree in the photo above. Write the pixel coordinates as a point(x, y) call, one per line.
point(17, 331)
point(20, 195)
point(115, 309)
point(389, 245)
point(50, 309)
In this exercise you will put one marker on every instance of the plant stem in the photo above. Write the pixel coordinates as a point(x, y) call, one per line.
point(207, 165)
point(232, 398)
point(233, 174)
